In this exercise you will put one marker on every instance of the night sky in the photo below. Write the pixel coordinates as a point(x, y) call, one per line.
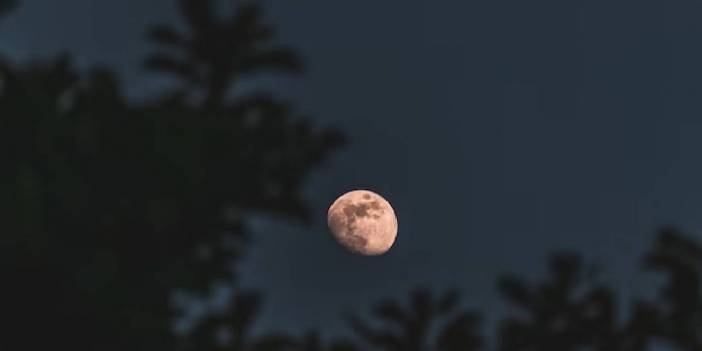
point(499, 130)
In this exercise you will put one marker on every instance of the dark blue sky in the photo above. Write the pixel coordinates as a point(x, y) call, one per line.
point(500, 130)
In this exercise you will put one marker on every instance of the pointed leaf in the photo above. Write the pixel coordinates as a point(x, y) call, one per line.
point(461, 333)
point(344, 345)
point(273, 342)
point(449, 301)
point(246, 21)
point(381, 338)
point(7, 6)
point(515, 290)
point(391, 311)
point(422, 303)
point(198, 14)
point(566, 268)
point(243, 312)
point(164, 63)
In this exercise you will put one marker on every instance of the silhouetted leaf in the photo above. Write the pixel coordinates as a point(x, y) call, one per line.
point(414, 327)
point(343, 346)
point(199, 14)
point(166, 64)
point(243, 311)
point(448, 301)
point(514, 290)
point(422, 304)
point(111, 204)
point(679, 305)
point(7, 6)
point(461, 333)
point(219, 52)
point(563, 313)
point(272, 343)
point(386, 340)
point(566, 268)
point(248, 21)
point(390, 311)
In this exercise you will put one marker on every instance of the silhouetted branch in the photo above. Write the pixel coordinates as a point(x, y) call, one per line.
point(428, 321)
point(461, 333)
point(679, 304)
point(248, 23)
point(113, 204)
point(159, 62)
point(6, 6)
point(216, 53)
point(199, 15)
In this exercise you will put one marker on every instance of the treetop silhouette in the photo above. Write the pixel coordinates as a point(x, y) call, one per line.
point(109, 206)
point(113, 204)
point(216, 53)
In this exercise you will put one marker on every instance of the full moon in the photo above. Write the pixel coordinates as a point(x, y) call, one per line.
point(363, 222)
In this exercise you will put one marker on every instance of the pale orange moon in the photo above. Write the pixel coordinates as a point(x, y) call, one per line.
point(363, 222)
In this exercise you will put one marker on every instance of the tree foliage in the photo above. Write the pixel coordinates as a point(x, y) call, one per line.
point(678, 306)
point(216, 53)
point(6, 6)
point(109, 206)
point(426, 322)
point(564, 313)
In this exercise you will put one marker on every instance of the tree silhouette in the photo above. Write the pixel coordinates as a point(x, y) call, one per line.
point(428, 323)
point(111, 205)
point(311, 341)
point(6, 6)
point(230, 329)
point(216, 53)
point(679, 303)
point(568, 312)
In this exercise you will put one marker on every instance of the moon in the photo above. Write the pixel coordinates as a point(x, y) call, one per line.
point(363, 222)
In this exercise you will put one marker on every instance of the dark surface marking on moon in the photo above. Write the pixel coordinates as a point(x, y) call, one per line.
point(361, 210)
point(339, 221)
point(348, 216)
point(356, 242)
point(354, 211)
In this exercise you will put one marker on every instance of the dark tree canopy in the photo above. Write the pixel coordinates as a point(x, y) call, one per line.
point(679, 303)
point(216, 53)
point(571, 311)
point(6, 5)
point(109, 206)
point(427, 322)
point(564, 313)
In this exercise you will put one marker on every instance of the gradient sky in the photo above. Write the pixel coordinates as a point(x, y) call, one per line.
point(500, 131)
